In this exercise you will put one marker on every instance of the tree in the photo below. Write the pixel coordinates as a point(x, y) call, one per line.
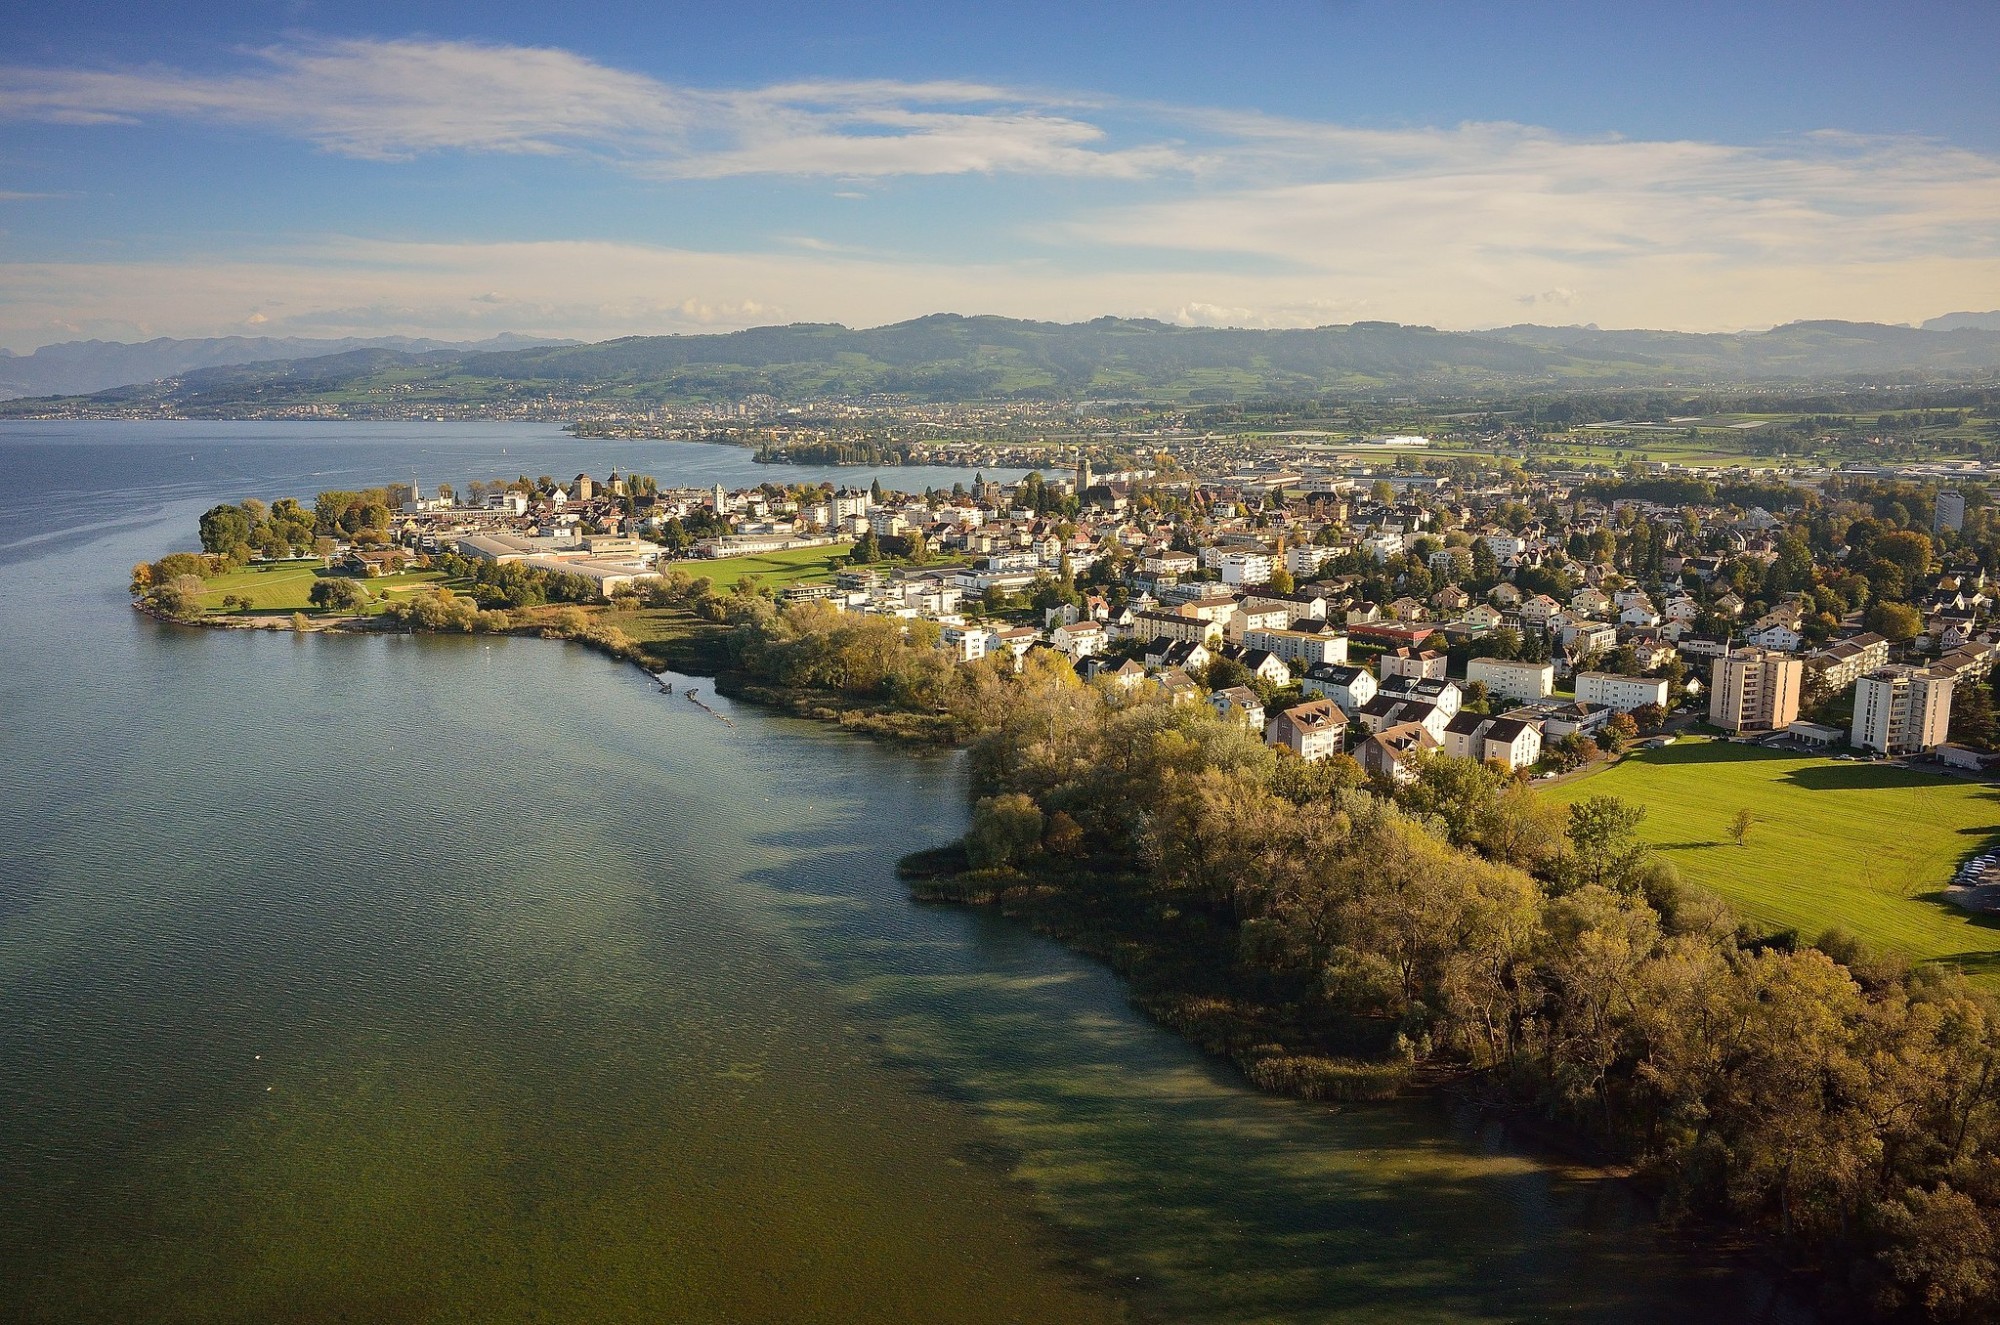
point(1604, 834)
point(1064, 836)
point(225, 527)
point(1739, 827)
point(1281, 580)
point(1006, 830)
point(1899, 623)
point(1485, 566)
point(180, 597)
point(335, 594)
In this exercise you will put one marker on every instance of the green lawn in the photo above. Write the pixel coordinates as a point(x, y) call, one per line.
point(804, 565)
point(1858, 846)
point(285, 586)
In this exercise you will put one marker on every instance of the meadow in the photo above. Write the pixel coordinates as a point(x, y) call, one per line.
point(1855, 846)
point(807, 565)
point(284, 586)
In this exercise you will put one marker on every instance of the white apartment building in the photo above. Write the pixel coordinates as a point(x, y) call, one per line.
point(1246, 618)
point(1150, 626)
point(1523, 682)
point(1303, 648)
point(1303, 560)
point(966, 643)
point(1843, 662)
point(1511, 742)
point(1348, 687)
point(1902, 710)
point(1383, 546)
point(1417, 664)
point(1246, 567)
point(1623, 693)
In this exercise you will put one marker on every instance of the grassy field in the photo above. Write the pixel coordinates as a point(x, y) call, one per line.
point(284, 587)
point(1850, 845)
point(805, 565)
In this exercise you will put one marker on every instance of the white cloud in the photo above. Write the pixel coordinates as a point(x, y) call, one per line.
point(1197, 216)
point(394, 100)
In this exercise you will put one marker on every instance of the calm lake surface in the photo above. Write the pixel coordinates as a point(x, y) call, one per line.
point(471, 980)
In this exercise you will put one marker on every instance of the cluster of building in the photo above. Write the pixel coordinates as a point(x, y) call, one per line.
point(1268, 565)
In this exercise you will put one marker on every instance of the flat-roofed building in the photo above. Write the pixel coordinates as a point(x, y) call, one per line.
point(1508, 678)
point(1902, 710)
point(1755, 690)
point(1623, 693)
point(1304, 648)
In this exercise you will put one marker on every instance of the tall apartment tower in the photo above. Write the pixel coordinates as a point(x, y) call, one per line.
point(1950, 512)
point(1755, 690)
point(1902, 710)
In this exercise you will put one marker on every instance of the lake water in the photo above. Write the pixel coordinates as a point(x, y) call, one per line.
point(394, 979)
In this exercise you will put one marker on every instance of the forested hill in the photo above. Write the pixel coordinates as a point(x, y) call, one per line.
point(94, 365)
point(948, 357)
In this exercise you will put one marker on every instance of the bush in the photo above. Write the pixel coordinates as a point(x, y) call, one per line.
point(1311, 1077)
point(1006, 830)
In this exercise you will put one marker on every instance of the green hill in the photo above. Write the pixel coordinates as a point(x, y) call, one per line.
point(948, 357)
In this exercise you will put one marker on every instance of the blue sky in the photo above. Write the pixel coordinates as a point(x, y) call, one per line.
point(594, 170)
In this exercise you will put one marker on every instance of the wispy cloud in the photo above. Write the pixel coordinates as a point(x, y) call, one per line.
point(1194, 214)
point(394, 100)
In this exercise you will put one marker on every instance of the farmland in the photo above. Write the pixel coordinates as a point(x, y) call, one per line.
point(1855, 846)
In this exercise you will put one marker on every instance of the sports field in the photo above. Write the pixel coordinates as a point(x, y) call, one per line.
point(1861, 847)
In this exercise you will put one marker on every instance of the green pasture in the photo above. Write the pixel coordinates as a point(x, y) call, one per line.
point(1861, 847)
point(285, 586)
point(806, 565)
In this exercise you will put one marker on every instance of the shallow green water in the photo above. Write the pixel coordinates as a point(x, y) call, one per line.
point(462, 980)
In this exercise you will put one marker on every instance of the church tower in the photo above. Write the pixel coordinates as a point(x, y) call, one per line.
point(1082, 474)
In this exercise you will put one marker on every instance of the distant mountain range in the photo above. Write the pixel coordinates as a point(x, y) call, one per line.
point(79, 367)
point(1965, 322)
point(949, 357)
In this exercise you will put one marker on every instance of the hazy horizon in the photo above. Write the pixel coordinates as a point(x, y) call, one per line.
point(619, 170)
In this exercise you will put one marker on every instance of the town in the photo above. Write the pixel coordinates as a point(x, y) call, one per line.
point(1533, 620)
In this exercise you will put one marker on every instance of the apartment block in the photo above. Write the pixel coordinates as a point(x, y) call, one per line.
point(1623, 693)
point(1755, 690)
point(1902, 710)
